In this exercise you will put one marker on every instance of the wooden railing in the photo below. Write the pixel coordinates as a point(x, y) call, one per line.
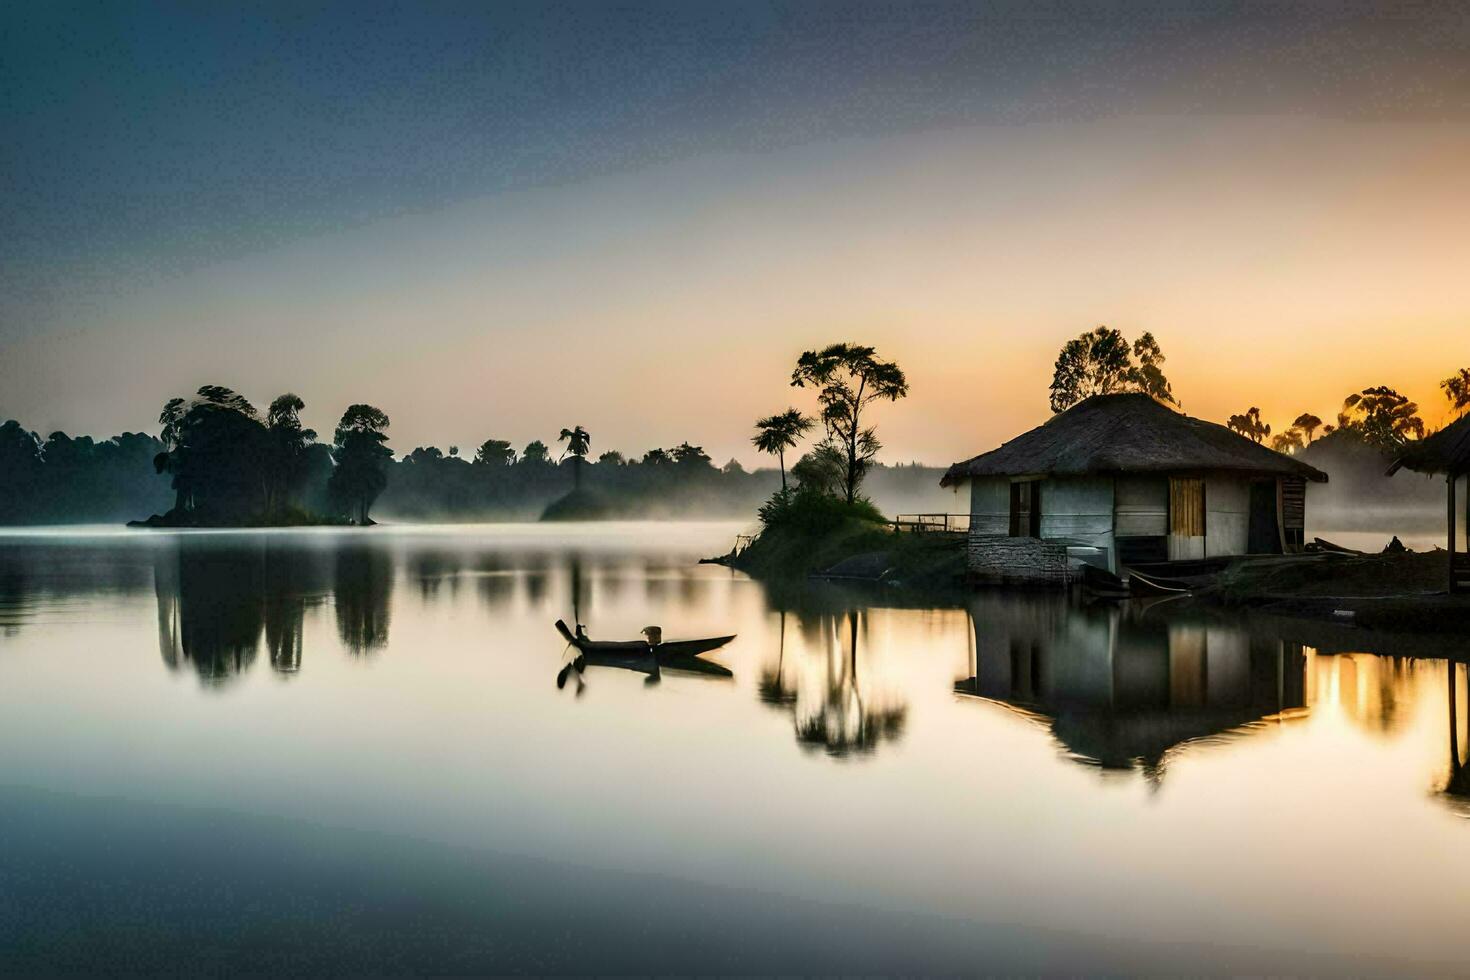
point(932, 523)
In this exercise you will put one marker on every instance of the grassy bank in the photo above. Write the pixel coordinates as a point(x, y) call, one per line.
point(806, 533)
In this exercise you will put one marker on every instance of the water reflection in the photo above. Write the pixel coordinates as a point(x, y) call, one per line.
point(363, 591)
point(1456, 788)
point(1121, 685)
point(216, 602)
point(211, 608)
point(834, 691)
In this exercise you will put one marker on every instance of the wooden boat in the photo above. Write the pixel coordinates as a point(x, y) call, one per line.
point(642, 656)
point(1140, 584)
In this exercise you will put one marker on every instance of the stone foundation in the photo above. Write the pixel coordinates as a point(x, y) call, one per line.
point(1000, 560)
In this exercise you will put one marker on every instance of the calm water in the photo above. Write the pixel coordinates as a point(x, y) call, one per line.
point(347, 750)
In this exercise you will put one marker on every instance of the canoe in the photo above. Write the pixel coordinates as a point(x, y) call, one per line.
point(667, 652)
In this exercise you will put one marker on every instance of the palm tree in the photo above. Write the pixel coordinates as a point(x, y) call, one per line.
point(578, 442)
point(778, 433)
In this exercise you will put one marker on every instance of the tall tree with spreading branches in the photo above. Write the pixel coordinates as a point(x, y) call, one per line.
point(1100, 362)
point(848, 379)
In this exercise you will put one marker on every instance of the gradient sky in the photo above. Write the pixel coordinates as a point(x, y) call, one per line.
point(499, 220)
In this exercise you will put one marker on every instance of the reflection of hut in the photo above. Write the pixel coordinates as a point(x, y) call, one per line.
point(1447, 452)
point(1119, 687)
point(1122, 478)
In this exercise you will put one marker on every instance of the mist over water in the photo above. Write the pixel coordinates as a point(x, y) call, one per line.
point(275, 735)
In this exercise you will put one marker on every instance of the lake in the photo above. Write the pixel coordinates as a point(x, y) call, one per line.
point(346, 750)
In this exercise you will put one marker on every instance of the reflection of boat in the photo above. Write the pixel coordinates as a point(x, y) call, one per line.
point(645, 657)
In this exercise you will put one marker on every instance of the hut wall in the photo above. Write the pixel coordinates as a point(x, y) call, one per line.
point(1227, 515)
point(1078, 508)
point(990, 506)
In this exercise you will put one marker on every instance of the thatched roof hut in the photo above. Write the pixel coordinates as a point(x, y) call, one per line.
point(1123, 480)
point(1129, 433)
point(1447, 451)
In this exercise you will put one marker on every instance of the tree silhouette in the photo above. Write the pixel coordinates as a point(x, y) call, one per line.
point(656, 457)
point(1308, 424)
point(218, 453)
point(1383, 418)
point(359, 450)
point(775, 434)
point(848, 379)
point(289, 442)
point(494, 452)
point(1457, 389)
point(535, 453)
point(1289, 441)
point(578, 442)
point(1100, 362)
point(690, 457)
point(1146, 376)
point(1249, 424)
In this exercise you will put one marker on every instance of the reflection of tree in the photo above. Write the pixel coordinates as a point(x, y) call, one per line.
point(363, 588)
point(210, 608)
point(772, 686)
point(833, 711)
point(846, 723)
point(14, 598)
point(285, 609)
point(432, 569)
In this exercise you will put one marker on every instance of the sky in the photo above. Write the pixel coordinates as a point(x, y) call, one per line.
point(499, 220)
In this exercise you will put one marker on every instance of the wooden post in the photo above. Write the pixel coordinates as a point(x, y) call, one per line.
point(1450, 493)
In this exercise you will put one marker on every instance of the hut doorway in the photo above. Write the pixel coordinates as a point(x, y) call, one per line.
point(1026, 509)
point(1263, 531)
point(1186, 518)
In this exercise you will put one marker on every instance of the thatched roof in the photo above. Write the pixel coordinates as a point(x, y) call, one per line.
point(1128, 433)
point(1447, 451)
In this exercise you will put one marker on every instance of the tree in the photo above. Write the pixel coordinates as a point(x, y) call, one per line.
point(823, 469)
point(1308, 424)
point(656, 457)
point(535, 453)
point(848, 379)
point(289, 442)
point(359, 449)
point(494, 452)
point(1383, 418)
point(1146, 376)
point(775, 434)
point(1101, 363)
point(1289, 441)
point(578, 442)
point(1249, 425)
point(1457, 389)
point(611, 458)
point(690, 457)
point(218, 453)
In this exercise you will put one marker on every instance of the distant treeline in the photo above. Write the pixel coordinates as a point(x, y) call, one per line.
point(219, 461)
point(65, 480)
